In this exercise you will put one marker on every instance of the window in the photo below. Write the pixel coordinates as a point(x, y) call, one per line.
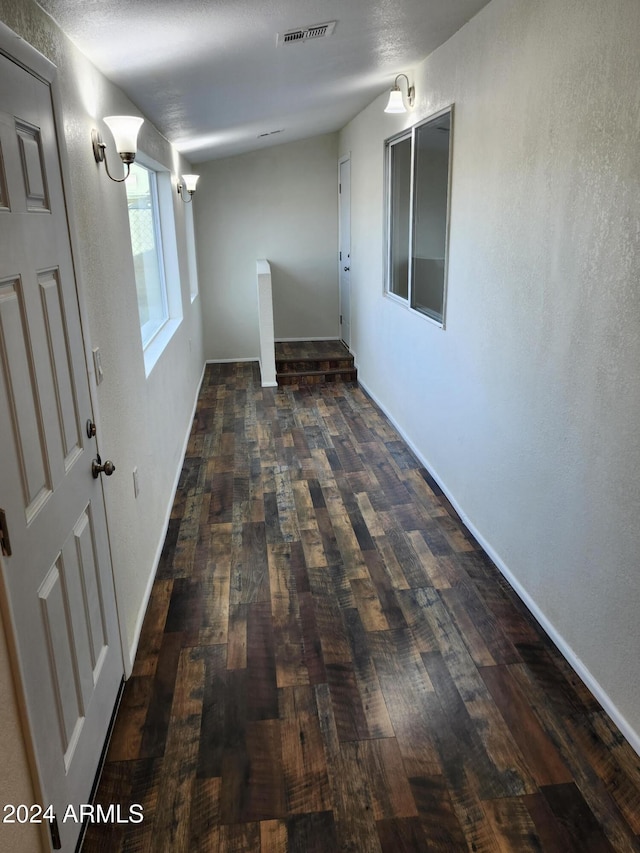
point(191, 251)
point(146, 242)
point(418, 177)
point(155, 260)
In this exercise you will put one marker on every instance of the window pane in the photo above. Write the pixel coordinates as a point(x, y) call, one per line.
point(147, 258)
point(191, 251)
point(431, 187)
point(399, 216)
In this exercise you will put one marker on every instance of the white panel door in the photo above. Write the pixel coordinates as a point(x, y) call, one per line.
point(57, 584)
point(345, 250)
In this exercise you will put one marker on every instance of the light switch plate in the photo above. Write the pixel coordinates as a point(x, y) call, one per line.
point(97, 365)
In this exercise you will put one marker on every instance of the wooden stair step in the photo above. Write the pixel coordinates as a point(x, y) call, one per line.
point(312, 376)
point(313, 364)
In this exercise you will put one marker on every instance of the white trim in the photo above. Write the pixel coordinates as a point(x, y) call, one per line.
point(133, 648)
point(230, 360)
point(264, 295)
point(300, 340)
point(159, 342)
point(346, 158)
point(22, 53)
point(631, 735)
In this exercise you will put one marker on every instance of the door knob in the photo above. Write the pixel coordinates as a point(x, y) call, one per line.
point(98, 468)
point(346, 269)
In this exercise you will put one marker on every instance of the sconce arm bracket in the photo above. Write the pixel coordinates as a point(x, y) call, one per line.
point(411, 90)
point(180, 189)
point(100, 155)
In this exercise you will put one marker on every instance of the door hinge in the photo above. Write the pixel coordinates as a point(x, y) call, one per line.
point(341, 319)
point(56, 842)
point(5, 542)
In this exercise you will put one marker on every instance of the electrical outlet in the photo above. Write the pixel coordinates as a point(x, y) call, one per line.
point(136, 482)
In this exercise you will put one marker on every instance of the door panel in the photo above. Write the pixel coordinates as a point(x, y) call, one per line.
point(31, 156)
point(20, 398)
point(57, 585)
point(58, 343)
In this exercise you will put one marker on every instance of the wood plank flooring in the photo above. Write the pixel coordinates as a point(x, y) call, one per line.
point(329, 661)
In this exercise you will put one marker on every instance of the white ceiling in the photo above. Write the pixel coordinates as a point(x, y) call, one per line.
point(210, 77)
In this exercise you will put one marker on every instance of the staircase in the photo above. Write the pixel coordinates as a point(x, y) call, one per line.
point(313, 362)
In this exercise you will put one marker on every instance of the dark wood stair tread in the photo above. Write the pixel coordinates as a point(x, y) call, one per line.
point(314, 361)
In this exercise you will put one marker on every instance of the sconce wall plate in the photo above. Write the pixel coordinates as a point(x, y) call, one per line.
point(98, 146)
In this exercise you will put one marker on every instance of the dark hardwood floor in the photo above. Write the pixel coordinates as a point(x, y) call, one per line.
point(330, 662)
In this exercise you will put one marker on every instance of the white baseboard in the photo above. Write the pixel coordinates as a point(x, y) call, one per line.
point(631, 735)
point(301, 340)
point(229, 360)
point(133, 648)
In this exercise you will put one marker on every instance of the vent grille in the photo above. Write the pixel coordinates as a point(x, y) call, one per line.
point(302, 34)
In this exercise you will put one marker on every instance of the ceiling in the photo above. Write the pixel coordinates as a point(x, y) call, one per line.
point(210, 75)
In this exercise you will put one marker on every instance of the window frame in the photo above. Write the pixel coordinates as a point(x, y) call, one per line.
point(410, 133)
point(167, 253)
point(192, 257)
point(155, 326)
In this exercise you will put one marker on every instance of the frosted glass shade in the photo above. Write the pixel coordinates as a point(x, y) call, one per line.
point(125, 132)
point(396, 102)
point(190, 182)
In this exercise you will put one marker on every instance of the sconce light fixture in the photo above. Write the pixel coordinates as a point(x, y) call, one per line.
point(396, 101)
point(189, 185)
point(125, 135)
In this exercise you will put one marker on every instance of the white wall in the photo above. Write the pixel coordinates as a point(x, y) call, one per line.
point(527, 406)
point(141, 421)
point(280, 204)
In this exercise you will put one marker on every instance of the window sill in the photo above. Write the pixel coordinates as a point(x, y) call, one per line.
point(157, 345)
point(404, 303)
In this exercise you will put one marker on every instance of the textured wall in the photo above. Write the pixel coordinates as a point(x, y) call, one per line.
point(141, 421)
point(279, 204)
point(136, 426)
point(527, 406)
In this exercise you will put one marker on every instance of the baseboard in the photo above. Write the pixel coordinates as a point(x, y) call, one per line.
point(133, 648)
point(630, 734)
point(301, 340)
point(229, 360)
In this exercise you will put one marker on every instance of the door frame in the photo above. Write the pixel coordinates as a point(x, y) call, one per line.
point(19, 51)
point(344, 159)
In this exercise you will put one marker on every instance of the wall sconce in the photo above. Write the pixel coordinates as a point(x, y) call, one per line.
point(125, 135)
point(396, 101)
point(189, 185)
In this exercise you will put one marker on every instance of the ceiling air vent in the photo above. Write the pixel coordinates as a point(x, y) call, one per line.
point(300, 34)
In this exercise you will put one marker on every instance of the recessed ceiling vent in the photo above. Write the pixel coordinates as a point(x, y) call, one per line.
point(301, 34)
